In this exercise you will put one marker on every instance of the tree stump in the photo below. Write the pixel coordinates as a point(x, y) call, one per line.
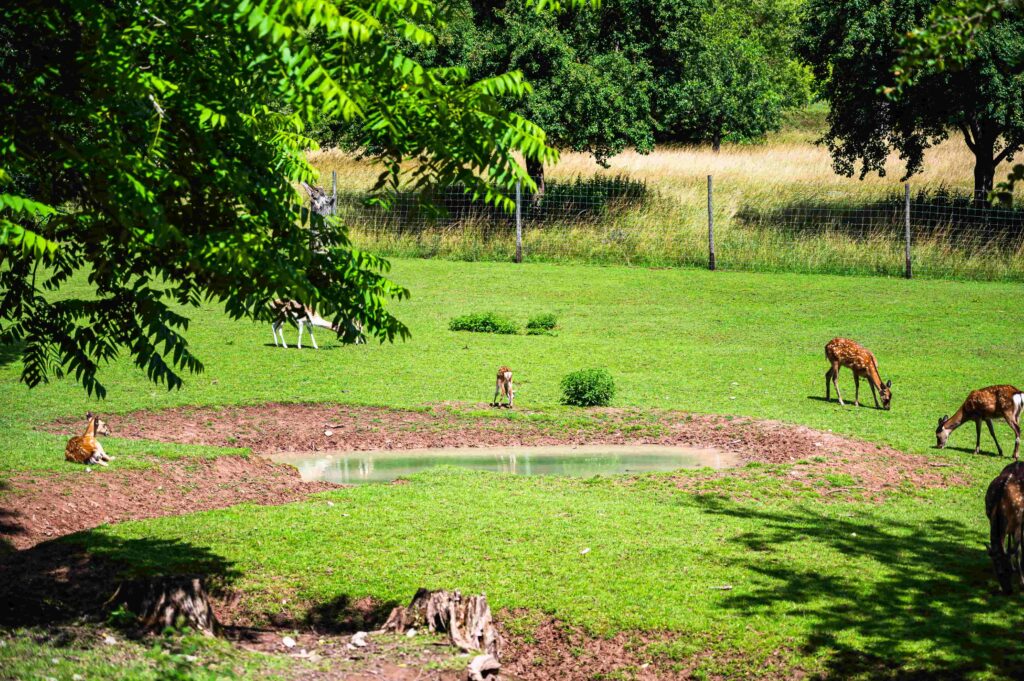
point(466, 619)
point(163, 602)
point(483, 668)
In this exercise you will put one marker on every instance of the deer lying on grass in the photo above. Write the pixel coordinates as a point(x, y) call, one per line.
point(504, 387)
point(843, 352)
point(1004, 506)
point(85, 448)
point(995, 401)
point(302, 316)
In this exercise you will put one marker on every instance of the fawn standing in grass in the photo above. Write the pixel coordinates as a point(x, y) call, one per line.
point(995, 401)
point(85, 448)
point(843, 352)
point(504, 388)
point(1004, 506)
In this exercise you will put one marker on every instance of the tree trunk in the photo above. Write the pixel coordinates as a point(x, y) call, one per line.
point(466, 619)
point(163, 602)
point(984, 177)
point(716, 143)
point(535, 169)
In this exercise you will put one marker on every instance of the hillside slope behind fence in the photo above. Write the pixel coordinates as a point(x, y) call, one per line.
point(618, 220)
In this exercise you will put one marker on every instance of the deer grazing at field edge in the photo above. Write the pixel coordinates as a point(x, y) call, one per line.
point(504, 388)
point(995, 401)
point(1004, 506)
point(85, 448)
point(843, 352)
point(303, 316)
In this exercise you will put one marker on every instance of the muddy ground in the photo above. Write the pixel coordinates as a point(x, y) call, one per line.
point(42, 506)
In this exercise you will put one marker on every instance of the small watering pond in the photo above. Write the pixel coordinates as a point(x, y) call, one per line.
point(580, 461)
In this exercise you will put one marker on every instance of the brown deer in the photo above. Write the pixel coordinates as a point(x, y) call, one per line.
point(303, 316)
point(504, 387)
point(85, 448)
point(843, 352)
point(1004, 506)
point(995, 401)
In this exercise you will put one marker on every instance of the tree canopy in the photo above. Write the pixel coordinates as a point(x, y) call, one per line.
point(630, 73)
point(153, 150)
point(855, 46)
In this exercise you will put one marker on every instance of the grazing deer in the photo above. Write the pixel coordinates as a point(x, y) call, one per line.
point(995, 401)
point(302, 316)
point(843, 352)
point(504, 387)
point(1004, 506)
point(85, 448)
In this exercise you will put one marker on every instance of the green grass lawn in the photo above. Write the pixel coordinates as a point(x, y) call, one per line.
point(897, 587)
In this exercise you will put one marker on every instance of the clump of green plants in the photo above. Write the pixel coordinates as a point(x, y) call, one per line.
point(588, 388)
point(484, 322)
point(541, 324)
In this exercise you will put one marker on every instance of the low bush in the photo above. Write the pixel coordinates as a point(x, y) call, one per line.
point(588, 388)
point(542, 322)
point(484, 322)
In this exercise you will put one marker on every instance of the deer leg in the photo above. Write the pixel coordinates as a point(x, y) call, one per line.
point(1016, 434)
point(313, 338)
point(856, 392)
point(300, 325)
point(992, 432)
point(828, 385)
point(874, 394)
point(497, 392)
point(977, 441)
point(835, 382)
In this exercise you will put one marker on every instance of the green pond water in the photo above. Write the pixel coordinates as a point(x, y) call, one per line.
point(581, 461)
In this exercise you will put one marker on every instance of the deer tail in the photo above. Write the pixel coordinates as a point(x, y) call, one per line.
point(1018, 405)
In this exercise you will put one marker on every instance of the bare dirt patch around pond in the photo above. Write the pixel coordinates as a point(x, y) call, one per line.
point(825, 462)
point(41, 506)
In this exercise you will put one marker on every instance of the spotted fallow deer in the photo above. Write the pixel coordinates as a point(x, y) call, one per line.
point(995, 401)
point(504, 388)
point(843, 352)
point(85, 448)
point(304, 316)
point(1004, 506)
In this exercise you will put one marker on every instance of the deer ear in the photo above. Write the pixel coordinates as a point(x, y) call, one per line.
point(942, 420)
point(888, 384)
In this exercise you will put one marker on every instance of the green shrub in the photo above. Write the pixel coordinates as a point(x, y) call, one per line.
point(542, 322)
point(588, 388)
point(483, 322)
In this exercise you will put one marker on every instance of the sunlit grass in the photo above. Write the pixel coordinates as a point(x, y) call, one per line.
point(770, 180)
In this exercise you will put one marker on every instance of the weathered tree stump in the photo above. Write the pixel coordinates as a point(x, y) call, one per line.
point(163, 602)
point(466, 619)
point(483, 668)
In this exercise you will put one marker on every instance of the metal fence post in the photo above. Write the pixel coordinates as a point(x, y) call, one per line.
point(908, 272)
point(334, 192)
point(711, 230)
point(519, 221)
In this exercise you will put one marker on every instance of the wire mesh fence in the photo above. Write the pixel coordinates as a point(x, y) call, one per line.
point(620, 220)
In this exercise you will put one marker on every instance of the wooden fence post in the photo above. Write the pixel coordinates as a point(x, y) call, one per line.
point(908, 272)
point(519, 221)
point(711, 230)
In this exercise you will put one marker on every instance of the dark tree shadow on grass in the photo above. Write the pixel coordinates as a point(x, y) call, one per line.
point(934, 591)
point(10, 353)
point(63, 581)
point(9, 524)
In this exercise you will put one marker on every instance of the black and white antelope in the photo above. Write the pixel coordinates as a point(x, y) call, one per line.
point(303, 316)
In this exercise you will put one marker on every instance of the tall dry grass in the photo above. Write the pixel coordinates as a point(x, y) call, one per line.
point(785, 176)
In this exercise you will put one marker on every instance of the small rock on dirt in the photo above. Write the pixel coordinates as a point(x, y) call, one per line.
point(359, 639)
point(288, 642)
